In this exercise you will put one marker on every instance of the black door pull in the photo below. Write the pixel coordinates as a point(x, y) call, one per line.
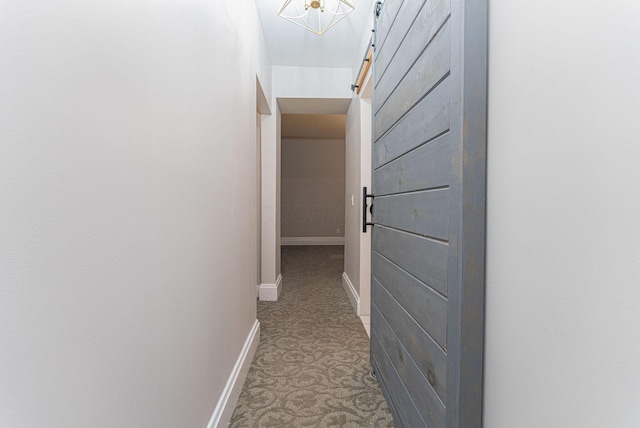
point(366, 195)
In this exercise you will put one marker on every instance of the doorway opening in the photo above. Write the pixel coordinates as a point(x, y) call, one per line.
point(313, 179)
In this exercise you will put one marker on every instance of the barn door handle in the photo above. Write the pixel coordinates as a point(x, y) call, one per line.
point(366, 195)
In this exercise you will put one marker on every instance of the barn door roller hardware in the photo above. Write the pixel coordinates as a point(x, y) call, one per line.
point(364, 67)
point(366, 195)
point(378, 9)
point(368, 55)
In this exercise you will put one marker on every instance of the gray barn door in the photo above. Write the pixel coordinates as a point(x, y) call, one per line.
point(429, 156)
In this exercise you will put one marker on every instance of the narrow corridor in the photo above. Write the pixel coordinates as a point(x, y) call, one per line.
point(311, 368)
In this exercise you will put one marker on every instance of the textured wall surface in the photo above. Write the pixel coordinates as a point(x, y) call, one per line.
point(563, 244)
point(127, 195)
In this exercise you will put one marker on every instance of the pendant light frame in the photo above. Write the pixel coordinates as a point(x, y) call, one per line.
point(316, 16)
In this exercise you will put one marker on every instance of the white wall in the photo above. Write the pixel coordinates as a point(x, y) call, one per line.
point(258, 212)
point(127, 195)
point(311, 82)
point(353, 213)
point(563, 246)
point(365, 181)
point(270, 168)
point(356, 278)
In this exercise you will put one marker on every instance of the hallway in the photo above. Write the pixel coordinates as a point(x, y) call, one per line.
point(138, 184)
point(312, 364)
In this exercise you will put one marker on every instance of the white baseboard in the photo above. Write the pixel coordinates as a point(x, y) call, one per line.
point(351, 292)
point(227, 402)
point(319, 240)
point(270, 292)
point(366, 322)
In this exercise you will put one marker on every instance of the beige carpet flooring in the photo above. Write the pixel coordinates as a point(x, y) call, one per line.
point(311, 368)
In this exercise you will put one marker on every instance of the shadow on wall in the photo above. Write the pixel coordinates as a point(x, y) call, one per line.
point(314, 217)
point(313, 176)
point(312, 187)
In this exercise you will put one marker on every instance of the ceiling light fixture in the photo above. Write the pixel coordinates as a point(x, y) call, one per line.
point(316, 16)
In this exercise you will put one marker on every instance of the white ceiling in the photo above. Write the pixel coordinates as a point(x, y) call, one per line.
point(291, 45)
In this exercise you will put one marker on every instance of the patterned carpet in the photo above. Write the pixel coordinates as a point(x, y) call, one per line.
point(312, 367)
